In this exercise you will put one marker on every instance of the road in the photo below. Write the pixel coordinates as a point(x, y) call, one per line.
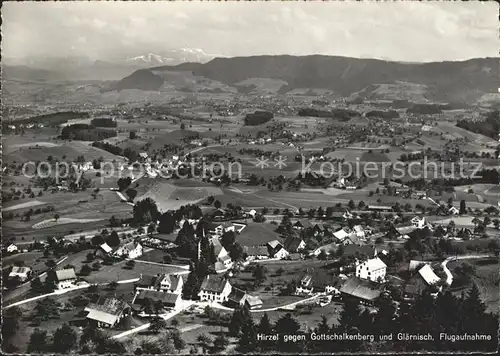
point(449, 275)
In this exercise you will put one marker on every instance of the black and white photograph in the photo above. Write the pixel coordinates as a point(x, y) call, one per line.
point(257, 177)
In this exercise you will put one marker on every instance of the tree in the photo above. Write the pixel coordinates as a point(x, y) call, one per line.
point(113, 285)
point(191, 287)
point(90, 257)
point(157, 324)
point(96, 266)
point(123, 183)
point(239, 317)
point(349, 317)
point(38, 342)
point(145, 211)
point(210, 200)
point(130, 264)
point(51, 264)
point(287, 325)
point(463, 207)
point(64, 339)
point(265, 328)
point(220, 343)
point(227, 239)
point(85, 270)
point(132, 135)
point(10, 323)
point(247, 342)
point(97, 240)
point(259, 273)
point(113, 239)
point(167, 258)
point(204, 341)
point(56, 217)
point(217, 204)
point(167, 223)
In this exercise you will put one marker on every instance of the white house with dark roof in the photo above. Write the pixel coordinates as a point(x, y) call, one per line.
point(428, 275)
point(66, 278)
point(23, 273)
point(418, 222)
point(131, 250)
point(12, 248)
point(107, 312)
point(373, 269)
point(214, 289)
point(281, 254)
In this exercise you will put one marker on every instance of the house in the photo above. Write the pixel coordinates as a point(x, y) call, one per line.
point(274, 246)
point(12, 248)
point(341, 235)
point(379, 208)
point(168, 283)
point(65, 278)
point(428, 275)
point(281, 254)
point(221, 253)
point(321, 230)
point(220, 229)
point(347, 215)
point(167, 299)
point(23, 273)
point(256, 253)
point(453, 211)
point(359, 231)
point(131, 250)
point(414, 287)
point(418, 222)
point(373, 269)
point(294, 244)
point(237, 298)
point(104, 250)
point(252, 213)
point(253, 302)
point(302, 224)
point(214, 289)
point(305, 285)
point(362, 290)
point(107, 312)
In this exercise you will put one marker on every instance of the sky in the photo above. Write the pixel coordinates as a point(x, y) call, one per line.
point(399, 31)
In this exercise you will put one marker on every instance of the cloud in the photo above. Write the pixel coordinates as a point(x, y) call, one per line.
point(409, 31)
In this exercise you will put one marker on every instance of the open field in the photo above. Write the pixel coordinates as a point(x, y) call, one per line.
point(118, 272)
point(61, 221)
point(28, 204)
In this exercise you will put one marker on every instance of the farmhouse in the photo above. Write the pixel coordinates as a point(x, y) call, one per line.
point(220, 229)
point(379, 208)
point(168, 283)
point(362, 290)
point(302, 224)
point(373, 269)
point(418, 222)
point(274, 246)
point(107, 312)
point(256, 253)
point(23, 273)
point(167, 300)
point(12, 248)
point(341, 235)
point(281, 254)
point(131, 250)
point(237, 298)
point(215, 289)
point(253, 302)
point(294, 244)
point(427, 273)
point(65, 278)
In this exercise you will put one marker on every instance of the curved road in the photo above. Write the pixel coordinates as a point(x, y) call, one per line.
point(449, 275)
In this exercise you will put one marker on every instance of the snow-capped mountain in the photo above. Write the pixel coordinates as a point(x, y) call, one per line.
point(173, 57)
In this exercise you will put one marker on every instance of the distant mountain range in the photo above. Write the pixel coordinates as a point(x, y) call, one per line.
point(461, 81)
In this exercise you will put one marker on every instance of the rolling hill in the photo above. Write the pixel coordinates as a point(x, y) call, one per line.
point(461, 81)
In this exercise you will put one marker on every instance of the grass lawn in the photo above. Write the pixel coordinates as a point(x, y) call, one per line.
point(157, 256)
point(117, 272)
